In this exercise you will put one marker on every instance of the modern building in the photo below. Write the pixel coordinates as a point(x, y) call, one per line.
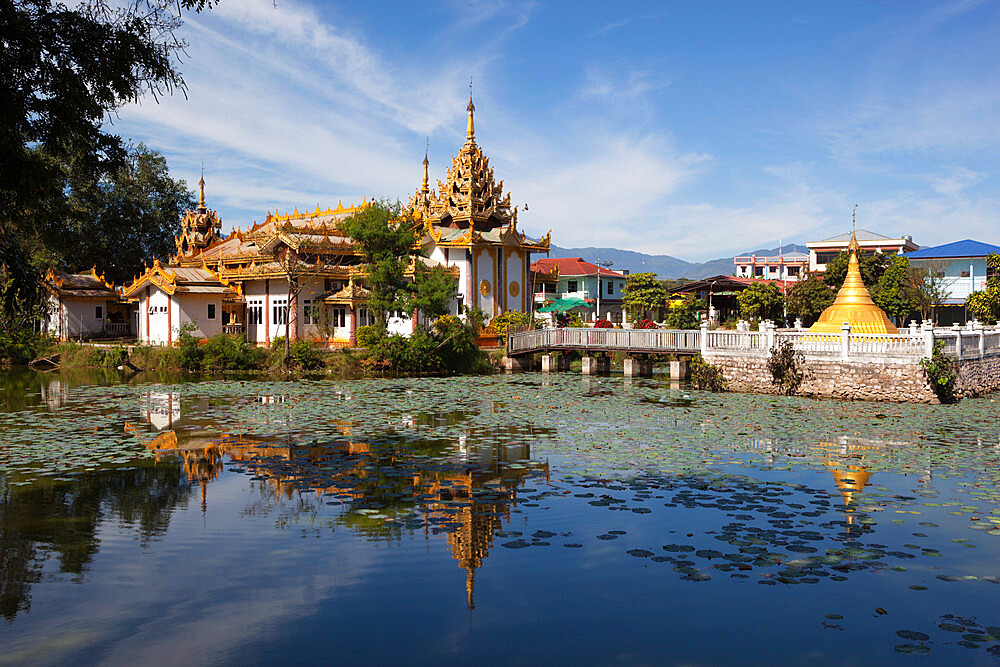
point(85, 306)
point(960, 268)
point(299, 273)
point(784, 266)
point(583, 280)
point(821, 252)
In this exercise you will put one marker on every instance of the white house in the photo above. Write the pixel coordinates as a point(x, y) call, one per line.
point(83, 306)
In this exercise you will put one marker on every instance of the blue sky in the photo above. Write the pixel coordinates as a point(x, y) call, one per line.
point(695, 129)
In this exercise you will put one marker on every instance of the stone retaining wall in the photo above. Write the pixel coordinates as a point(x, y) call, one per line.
point(898, 382)
point(978, 376)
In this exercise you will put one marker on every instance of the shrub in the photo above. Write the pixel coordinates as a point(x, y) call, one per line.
point(510, 318)
point(305, 355)
point(110, 357)
point(783, 364)
point(646, 323)
point(706, 376)
point(941, 373)
point(233, 352)
point(603, 324)
point(368, 336)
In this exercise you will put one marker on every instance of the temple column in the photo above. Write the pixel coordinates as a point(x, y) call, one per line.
point(293, 315)
point(352, 340)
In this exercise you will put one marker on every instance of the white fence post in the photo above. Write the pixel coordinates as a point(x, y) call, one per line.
point(958, 341)
point(928, 341)
point(768, 334)
point(704, 339)
point(845, 340)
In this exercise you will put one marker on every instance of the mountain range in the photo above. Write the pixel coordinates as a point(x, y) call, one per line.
point(665, 266)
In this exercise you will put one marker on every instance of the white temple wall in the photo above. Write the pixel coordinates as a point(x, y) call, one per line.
point(195, 309)
point(514, 264)
point(485, 266)
point(307, 298)
point(457, 257)
point(156, 310)
point(254, 295)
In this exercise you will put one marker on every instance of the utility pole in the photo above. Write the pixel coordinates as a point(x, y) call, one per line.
point(606, 264)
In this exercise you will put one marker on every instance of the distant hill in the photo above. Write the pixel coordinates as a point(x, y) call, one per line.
point(665, 266)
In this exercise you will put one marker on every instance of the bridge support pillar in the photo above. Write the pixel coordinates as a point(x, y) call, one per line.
point(589, 365)
point(680, 369)
point(603, 364)
point(549, 363)
point(522, 363)
point(638, 366)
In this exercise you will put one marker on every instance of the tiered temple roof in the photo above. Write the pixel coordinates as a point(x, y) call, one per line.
point(469, 207)
point(80, 285)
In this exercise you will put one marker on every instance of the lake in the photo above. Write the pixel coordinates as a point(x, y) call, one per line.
point(521, 518)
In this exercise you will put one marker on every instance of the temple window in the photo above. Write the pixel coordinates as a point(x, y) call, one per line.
point(339, 317)
point(611, 288)
point(99, 312)
point(571, 286)
point(211, 311)
point(280, 311)
point(310, 312)
point(255, 312)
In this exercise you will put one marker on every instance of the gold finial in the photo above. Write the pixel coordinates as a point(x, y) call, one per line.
point(201, 192)
point(854, 246)
point(470, 128)
point(426, 188)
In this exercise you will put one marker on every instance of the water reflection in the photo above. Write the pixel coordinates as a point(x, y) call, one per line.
point(463, 489)
point(61, 520)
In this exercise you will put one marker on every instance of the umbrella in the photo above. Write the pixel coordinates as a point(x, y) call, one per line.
point(562, 305)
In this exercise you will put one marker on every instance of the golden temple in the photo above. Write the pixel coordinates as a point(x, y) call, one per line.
point(854, 305)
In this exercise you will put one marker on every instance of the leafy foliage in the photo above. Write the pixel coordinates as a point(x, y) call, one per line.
point(643, 294)
point(895, 292)
point(386, 239)
point(449, 348)
point(783, 365)
point(432, 291)
point(511, 318)
point(760, 301)
point(807, 299)
point(367, 336)
point(21, 298)
point(685, 314)
point(64, 70)
point(942, 373)
point(872, 266)
point(706, 376)
point(985, 304)
point(119, 221)
point(221, 352)
point(305, 355)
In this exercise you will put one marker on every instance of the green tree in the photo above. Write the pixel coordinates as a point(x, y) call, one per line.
point(808, 298)
point(386, 237)
point(20, 300)
point(119, 222)
point(760, 301)
point(985, 304)
point(643, 295)
point(63, 71)
point(927, 281)
point(432, 291)
point(685, 314)
point(895, 292)
point(872, 267)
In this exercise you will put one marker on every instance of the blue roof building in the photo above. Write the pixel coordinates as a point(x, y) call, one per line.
point(962, 264)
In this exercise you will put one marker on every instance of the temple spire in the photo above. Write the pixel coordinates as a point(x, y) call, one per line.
point(426, 188)
point(201, 193)
point(470, 128)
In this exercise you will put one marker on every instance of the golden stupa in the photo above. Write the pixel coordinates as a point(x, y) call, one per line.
point(854, 304)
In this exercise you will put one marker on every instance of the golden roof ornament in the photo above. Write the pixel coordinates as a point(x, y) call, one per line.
point(470, 126)
point(202, 208)
point(854, 305)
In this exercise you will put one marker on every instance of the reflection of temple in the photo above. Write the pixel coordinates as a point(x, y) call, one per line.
point(353, 471)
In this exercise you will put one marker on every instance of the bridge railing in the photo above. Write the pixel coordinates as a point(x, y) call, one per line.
point(649, 340)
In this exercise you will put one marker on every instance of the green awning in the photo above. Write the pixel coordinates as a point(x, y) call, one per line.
point(562, 305)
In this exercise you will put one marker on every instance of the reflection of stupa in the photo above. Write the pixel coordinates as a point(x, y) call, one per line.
point(854, 304)
point(850, 481)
